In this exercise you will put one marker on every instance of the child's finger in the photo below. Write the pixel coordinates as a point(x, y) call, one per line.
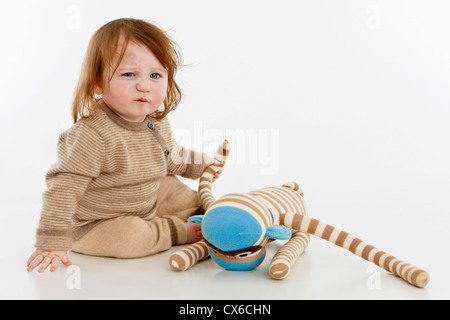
point(36, 261)
point(32, 257)
point(44, 264)
point(66, 261)
point(55, 263)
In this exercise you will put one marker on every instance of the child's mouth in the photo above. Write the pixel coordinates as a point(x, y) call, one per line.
point(141, 100)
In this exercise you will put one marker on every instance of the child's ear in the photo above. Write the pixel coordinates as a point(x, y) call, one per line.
point(98, 88)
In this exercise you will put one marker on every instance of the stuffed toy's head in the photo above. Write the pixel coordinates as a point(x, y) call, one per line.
point(236, 228)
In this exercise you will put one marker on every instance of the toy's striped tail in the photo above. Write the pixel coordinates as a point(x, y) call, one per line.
point(204, 186)
point(185, 258)
point(407, 272)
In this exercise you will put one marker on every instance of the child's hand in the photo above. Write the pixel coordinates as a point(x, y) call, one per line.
point(46, 258)
point(211, 161)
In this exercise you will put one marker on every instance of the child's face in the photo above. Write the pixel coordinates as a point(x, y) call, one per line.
point(139, 85)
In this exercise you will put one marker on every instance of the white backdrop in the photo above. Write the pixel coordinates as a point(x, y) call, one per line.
point(349, 98)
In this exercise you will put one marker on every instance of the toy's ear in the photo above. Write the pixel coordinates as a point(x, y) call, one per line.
point(278, 232)
point(196, 219)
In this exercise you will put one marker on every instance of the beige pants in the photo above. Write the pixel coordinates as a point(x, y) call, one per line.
point(133, 237)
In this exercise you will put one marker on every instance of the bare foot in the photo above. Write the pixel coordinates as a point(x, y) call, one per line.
point(194, 232)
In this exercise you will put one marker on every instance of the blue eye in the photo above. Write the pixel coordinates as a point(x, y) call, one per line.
point(128, 74)
point(154, 76)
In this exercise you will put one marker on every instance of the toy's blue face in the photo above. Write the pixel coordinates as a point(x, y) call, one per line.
point(231, 234)
point(235, 238)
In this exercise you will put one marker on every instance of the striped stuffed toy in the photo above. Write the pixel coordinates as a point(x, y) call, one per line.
point(237, 227)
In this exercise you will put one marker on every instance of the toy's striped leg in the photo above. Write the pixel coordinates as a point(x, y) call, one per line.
point(185, 258)
point(406, 271)
point(284, 259)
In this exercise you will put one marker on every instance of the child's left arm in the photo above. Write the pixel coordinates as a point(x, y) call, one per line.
point(182, 161)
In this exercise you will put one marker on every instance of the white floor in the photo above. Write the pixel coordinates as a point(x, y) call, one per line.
point(323, 272)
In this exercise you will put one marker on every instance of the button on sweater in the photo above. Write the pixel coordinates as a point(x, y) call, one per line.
point(108, 167)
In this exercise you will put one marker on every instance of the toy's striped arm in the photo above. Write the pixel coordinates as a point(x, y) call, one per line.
point(204, 186)
point(185, 258)
point(284, 259)
point(407, 272)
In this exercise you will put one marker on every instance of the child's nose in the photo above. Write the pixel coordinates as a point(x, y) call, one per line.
point(143, 86)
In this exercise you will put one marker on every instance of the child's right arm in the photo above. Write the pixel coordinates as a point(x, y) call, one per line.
point(80, 159)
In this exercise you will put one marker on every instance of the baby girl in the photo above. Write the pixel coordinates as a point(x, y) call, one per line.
point(113, 191)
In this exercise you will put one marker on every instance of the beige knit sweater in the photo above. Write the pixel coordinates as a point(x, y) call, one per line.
point(108, 167)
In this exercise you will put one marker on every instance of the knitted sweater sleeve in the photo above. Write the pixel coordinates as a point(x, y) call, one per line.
point(80, 158)
point(181, 160)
